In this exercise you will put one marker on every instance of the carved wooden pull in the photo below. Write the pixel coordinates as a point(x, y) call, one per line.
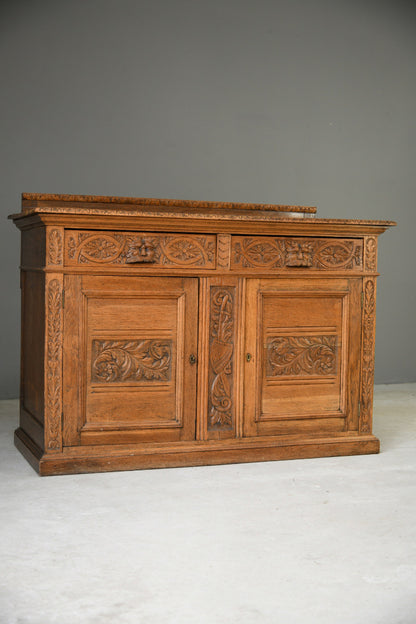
point(298, 254)
point(142, 251)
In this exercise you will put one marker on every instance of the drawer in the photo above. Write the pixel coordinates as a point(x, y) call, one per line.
point(271, 252)
point(141, 249)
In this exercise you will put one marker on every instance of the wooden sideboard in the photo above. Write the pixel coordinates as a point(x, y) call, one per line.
point(163, 333)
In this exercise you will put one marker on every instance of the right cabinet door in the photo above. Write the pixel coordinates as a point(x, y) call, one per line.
point(302, 346)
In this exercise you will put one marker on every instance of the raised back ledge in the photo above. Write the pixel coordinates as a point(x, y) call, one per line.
point(51, 209)
point(38, 200)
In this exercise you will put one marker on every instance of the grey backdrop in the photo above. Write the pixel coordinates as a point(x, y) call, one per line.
point(286, 101)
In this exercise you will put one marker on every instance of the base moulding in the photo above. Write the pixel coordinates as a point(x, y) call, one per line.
point(74, 460)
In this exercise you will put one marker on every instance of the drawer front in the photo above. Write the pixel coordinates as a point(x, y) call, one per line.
point(140, 249)
point(271, 252)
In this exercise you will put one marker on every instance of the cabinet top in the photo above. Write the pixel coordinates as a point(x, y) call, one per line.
point(95, 211)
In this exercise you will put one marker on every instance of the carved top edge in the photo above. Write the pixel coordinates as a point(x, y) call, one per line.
point(28, 200)
point(312, 226)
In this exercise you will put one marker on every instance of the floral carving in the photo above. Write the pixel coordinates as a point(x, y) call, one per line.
point(301, 355)
point(131, 360)
point(94, 248)
point(271, 253)
point(55, 247)
point(183, 251)
point(257, 252)
point(54, 366)
point(220, 407)
point(367, 371)
point(343, 254)
point(187, 251)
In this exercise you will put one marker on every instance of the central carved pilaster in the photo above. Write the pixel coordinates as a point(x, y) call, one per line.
point(221, 358)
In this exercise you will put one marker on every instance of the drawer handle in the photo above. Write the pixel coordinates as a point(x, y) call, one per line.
point(192, 359)
point(141, 251)
point(298, 254)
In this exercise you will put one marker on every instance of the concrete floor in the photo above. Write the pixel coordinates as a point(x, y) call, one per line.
point(328, 541)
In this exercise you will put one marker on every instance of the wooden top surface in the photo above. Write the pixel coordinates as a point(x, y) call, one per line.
point(30, 200)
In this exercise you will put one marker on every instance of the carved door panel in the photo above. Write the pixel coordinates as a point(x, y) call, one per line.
point(129, 359)
point(302, 356)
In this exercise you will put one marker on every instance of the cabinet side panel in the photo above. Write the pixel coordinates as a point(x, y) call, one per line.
point(33, 247)
point(33, 343)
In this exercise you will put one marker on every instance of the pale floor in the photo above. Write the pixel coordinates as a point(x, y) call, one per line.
point(328, 541)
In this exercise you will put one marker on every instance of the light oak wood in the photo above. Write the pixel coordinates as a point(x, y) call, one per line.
point(163, 333)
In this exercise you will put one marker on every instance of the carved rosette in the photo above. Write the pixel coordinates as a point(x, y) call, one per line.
point(275, 253)
point(221, 355)
point(55, 247)
point(367, 369)
point(371, 254)
point(114, 361)
point(258, 253)
point(301, 356)
point(174, 250)
point(53, 419)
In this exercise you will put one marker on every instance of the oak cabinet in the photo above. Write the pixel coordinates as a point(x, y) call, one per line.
point(169, 333)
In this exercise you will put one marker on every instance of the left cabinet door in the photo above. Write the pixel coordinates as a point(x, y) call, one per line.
point(130, 346)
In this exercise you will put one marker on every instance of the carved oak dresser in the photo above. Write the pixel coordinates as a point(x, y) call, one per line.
point(163, 333)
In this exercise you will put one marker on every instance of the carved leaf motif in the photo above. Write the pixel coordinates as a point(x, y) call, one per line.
point(54, 365)
point(223, 250)
point(371, 254)
point(131, 360)
point(367, 374)
point(301, 355)
point(221, 358)
point(55, 247)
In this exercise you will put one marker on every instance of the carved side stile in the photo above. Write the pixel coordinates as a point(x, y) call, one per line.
point(53, 371)
point(367, 368)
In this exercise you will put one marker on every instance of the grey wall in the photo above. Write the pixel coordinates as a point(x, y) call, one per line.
point(285, 101)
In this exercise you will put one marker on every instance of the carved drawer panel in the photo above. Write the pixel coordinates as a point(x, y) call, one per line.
point(270, 252)
point(101, 248)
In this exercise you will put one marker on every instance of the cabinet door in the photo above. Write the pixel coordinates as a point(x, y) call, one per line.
point(129, 371)
point(302, 356)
